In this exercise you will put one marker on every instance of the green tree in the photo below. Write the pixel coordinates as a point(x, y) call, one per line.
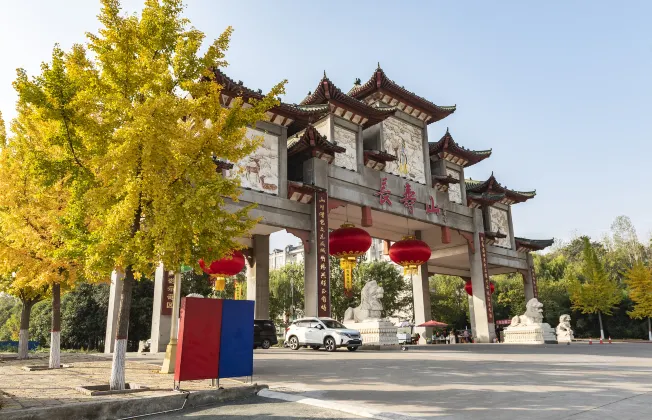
point(591, 290)
point(639, 282)
point(286, 292)
point(397, 291)
point(144, 125)
point(449, 301)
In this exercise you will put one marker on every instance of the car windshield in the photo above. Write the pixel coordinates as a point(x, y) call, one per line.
point(332, 324)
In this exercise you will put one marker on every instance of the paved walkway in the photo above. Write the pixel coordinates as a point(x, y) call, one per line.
point(22, 389)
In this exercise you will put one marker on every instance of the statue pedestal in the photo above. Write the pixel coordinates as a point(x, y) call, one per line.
point(377, 334)
point(530, 334)
point(564, 338)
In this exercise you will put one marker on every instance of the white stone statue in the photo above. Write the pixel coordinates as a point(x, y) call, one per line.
point(529, 328)
point(195, 295)
point(564, 331)
point(370, 306)
point(376, 333)
point(533, 314)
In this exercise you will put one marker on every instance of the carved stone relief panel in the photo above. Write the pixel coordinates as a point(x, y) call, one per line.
point(347, 139)
point(405, 141)
point(500, 223)
point(454, 190)
point(259, 170)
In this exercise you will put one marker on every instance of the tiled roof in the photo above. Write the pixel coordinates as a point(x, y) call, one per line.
point(379, 82)
point(494, 186)
point(447, 145)
point(533, 244)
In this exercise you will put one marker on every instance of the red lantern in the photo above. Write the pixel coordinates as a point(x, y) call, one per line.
point(409, 253)
point(348, 243)
point(224, 267)
point(468, 287)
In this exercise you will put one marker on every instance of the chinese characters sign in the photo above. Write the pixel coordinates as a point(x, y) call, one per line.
point(409, 198)
point(383, 193)
point(485, 278)
point(323, 272)
point(168, 293)
point(432, 208)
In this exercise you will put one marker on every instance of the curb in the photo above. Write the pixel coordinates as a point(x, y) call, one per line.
point(132, 407)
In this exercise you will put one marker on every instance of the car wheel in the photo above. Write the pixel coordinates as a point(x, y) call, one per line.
point(315, 347)
point(266, 344)
point(294, 343)
point(352, 348)
point(329, 344)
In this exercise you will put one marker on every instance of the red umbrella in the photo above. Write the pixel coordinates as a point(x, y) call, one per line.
point(433, 323)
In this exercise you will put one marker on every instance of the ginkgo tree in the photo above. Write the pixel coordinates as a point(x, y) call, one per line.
point(591, 290)
point(639, 282)
point(32, 254)
point(144, 146)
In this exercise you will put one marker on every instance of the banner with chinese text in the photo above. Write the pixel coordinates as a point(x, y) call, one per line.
point(323, 272)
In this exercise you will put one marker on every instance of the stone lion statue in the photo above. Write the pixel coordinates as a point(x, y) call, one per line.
point(533, 314)
point(370, 305)
point(563, 330)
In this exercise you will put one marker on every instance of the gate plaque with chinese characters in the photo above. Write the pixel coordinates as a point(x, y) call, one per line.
point(167, 300)
point(485, 278)
point(323, 272)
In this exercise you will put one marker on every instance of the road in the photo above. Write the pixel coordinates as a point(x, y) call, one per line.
point(473, 381)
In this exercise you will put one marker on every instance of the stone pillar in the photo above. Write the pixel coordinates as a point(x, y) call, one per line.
point(160, 323)
point(315, 172)
point(421, 296)
point(529, 280)
point(258, 276)
point(171, 350)
point(283, 163)
point(511, 228)
point(426, 156)
point(114, 308)
point(471, 311)
point(485, 330)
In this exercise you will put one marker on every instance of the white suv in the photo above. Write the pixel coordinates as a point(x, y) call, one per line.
point(321, 332)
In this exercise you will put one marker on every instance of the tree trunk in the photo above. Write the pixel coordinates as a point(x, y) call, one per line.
point(601, 329)
point(55, 333)
point(117, 381)
point(649, 329)
point(23, 335)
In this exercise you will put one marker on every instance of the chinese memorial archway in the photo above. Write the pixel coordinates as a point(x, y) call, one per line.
point(468, 287)
point(348, 243)
point(224, 267)
point(409, 253)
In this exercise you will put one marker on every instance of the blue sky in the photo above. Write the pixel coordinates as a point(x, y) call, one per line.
point(560, 90)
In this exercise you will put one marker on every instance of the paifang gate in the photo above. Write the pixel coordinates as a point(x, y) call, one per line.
point(367, 155)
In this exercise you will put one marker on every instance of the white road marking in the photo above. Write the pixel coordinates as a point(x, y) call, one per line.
point(336, 405)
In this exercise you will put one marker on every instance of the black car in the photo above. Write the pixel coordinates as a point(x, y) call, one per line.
point(264, 333)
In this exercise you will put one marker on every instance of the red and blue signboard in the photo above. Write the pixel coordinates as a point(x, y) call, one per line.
point(215, 339)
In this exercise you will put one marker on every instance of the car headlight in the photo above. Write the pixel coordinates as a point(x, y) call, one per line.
point(346, 335)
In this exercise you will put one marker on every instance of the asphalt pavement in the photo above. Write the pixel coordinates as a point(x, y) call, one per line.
point(257, 408)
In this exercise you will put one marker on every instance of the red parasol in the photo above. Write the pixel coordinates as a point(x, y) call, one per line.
point(433, 323)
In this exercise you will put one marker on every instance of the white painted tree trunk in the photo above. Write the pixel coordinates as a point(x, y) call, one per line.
point(23, 341)
point(117, 381)
point(55, 350)
point(601, 329)
point(649, 329)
